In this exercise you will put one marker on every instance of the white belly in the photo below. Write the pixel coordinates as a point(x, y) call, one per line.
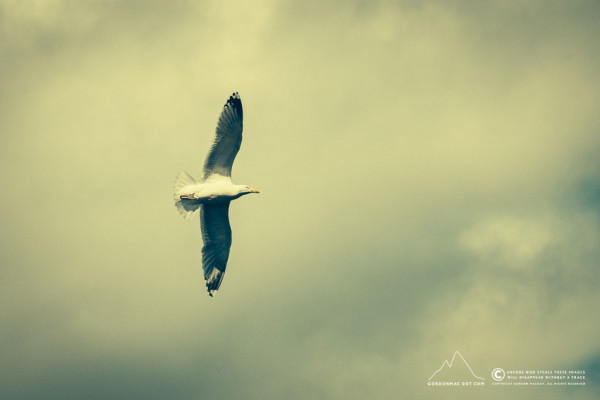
point(213, 192)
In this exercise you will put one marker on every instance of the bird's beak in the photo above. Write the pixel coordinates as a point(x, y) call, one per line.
point(254, 191)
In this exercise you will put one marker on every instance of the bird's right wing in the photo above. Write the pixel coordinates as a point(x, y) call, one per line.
point(216, 234)
point(228, 139)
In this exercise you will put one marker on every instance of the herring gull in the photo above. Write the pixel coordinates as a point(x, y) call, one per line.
point(212, 194)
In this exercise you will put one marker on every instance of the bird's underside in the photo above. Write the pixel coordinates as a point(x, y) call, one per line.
point(210, 197)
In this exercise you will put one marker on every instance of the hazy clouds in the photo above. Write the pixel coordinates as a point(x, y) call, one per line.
point(428, 176)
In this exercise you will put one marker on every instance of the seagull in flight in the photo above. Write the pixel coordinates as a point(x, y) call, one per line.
point(212, 194)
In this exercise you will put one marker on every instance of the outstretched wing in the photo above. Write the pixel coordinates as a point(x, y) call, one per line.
point(228, 140)
point(216, 234)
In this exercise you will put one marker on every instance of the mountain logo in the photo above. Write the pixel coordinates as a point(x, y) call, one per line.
point(456, 370)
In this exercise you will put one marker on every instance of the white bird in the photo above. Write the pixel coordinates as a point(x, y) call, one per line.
point(211, 195)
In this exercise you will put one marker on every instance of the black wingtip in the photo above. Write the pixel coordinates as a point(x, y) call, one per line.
point(214, 277)
point(213, 285)
point(210, 288)
point(236, 102)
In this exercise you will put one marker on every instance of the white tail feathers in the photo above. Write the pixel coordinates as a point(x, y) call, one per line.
point(184, 179)
point(186, 207)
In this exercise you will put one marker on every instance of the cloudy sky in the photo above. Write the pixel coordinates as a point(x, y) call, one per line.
point(429, 176)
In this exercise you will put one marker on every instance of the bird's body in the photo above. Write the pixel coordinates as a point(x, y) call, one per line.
point(211, 196)
point(218, 191)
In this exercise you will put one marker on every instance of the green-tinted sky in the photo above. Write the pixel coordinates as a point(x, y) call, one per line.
point(429, 179)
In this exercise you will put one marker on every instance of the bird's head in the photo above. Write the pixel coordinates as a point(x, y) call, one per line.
point(245, 189)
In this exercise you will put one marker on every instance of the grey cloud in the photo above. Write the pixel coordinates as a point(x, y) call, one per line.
point(427, 184)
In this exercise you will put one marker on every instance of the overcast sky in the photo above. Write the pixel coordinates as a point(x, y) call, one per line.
point(429, 178)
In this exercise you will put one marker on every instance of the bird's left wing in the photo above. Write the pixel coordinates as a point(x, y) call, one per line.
point(216, 234)
point(228, 139)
